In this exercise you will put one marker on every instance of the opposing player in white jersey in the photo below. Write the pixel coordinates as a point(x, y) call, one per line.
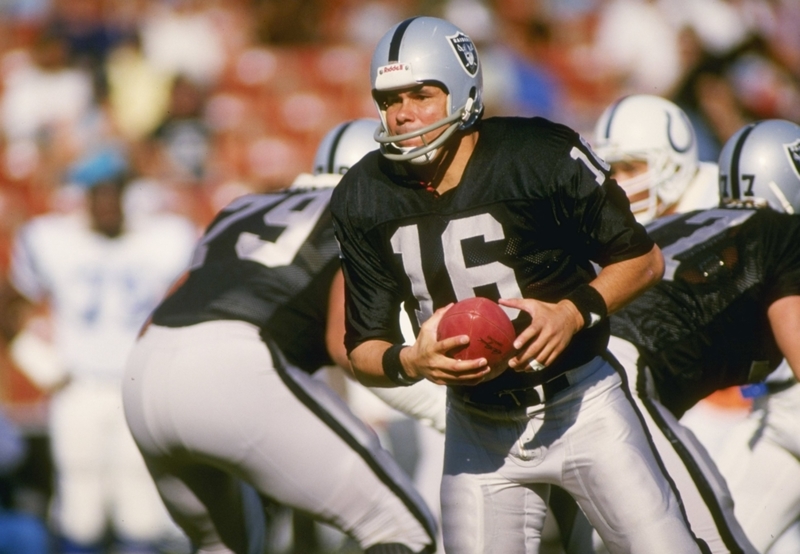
point(652, 149)
point(760, 460)
point(219, 389)
point(101, 271)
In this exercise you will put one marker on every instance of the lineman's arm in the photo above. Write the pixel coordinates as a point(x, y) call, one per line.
point(423, 401)
point(784, 318)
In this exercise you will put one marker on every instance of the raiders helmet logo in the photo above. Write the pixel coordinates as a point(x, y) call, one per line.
point(793, 151)
point(465, 50)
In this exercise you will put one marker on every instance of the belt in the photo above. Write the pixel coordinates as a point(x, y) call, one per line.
point(513, 399)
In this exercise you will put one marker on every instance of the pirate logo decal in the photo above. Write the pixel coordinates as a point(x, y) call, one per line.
point(465, 50)
point(793, 151)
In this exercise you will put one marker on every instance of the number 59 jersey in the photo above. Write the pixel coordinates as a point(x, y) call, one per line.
point(268, 259)
point(705, 325)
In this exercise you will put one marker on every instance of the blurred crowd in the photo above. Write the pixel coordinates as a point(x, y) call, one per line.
point(210, 99)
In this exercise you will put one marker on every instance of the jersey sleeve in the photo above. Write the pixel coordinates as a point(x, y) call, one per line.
point(371, 294)
point(595, 210)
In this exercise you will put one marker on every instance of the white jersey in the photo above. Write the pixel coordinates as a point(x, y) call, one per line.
point(702, 191)
point(101, 290)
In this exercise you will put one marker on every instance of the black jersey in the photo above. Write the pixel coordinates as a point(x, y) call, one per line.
point(533, 209)
point(704, 326)
point(268, 259)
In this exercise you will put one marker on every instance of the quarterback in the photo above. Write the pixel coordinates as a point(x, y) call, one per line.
point(455, 206)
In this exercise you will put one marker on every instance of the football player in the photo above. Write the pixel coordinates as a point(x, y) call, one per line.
point(100, 270)
point(651, 147)
point(760, 167)
point(456, 206)
point(219, 389)
point(725, 314)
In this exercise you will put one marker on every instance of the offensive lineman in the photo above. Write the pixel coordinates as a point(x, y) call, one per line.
point(725, 314)
point(453, 207)
point(219, 387)
point(651, 147)
point(760, 458)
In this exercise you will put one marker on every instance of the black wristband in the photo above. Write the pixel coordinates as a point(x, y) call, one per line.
point(393, 369)
point(590, 304)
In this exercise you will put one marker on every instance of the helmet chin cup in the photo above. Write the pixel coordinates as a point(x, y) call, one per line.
point(417, 154)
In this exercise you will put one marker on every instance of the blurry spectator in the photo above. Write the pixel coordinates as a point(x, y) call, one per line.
point(87, 29)
point(138, 90)
point(517, 82)
point(44, 93)
point(20, 533)
point(101, 271)
point(180, 37)
point(179, 147)
point(724, 92)
point(635, 42)
point(718, 24)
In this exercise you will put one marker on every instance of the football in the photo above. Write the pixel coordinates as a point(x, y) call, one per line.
point(491, 333)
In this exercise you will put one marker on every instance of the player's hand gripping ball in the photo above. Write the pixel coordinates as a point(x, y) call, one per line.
point(491, 333)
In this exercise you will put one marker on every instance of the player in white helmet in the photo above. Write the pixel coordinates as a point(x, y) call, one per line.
point(514, 209)
point(760, 167)
point(219, 388)
point(100, 270)
point(724, 315)
point(652, 149)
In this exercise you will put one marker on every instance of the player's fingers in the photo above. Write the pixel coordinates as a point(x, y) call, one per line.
point(544, 349)
point(528, 335)
point(446, 345)
point(460, 372)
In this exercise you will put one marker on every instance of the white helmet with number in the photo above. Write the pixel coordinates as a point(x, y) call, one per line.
point(652, 129)
point(760, 166)
point(340, 148)
point(423, 50)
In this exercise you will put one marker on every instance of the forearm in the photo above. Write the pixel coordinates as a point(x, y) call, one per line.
point(366, 361)
point(784, 318)
point(621, 282)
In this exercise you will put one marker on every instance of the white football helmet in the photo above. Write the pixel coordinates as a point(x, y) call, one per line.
point(340, 148)
point(652, 129)
point(423, 50)
point(760, 166)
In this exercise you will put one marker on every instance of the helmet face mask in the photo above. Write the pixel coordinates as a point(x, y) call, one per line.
point(759, 166)
point(426, 51)
point(652, 129)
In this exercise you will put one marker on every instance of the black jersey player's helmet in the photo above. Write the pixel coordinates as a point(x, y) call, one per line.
point(760, 166)
point(427, 50)
point(340, 148)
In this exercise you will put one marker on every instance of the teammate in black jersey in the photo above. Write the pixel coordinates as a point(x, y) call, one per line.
point(218, 390)
point(726, 313)
point(511, 209)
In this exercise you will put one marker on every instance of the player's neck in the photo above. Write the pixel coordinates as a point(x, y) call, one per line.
point(446, 174)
